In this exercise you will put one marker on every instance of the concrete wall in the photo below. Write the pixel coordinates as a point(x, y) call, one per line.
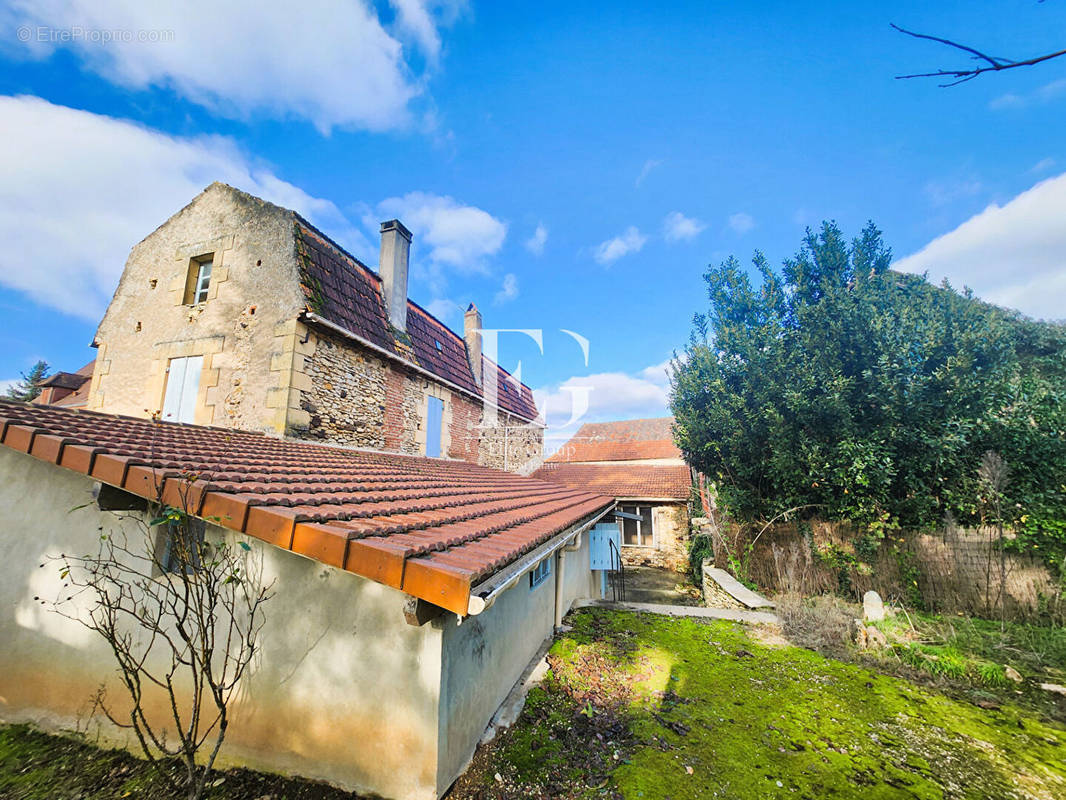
point(344, 690)
point(485, 656)
point(241, 331)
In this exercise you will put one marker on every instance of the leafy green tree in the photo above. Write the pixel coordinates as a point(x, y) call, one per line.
point(29, 388)
point(869, 394)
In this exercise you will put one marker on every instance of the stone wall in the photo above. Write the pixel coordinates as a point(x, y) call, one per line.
point(672, 535)
point(511, 444)
point(254, 291)
point(950, 570)
point(346, 399)
point(353, 397)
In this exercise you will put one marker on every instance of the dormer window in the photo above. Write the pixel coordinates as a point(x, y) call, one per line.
point(199, 280)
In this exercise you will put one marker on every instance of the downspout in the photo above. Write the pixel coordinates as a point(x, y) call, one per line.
point(560, 576)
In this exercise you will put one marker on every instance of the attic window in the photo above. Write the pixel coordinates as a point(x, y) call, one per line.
point(440, 347)
point(199, 279)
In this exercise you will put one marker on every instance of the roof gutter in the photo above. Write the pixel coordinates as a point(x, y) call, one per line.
point(315, 318)
point(484, 595)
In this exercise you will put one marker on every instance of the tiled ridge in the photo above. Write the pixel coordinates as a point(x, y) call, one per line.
point(429, 527)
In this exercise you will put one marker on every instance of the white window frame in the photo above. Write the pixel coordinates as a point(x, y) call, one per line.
point(642, 536)
point(203, 280)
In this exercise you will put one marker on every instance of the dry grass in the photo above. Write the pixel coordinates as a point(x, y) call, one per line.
point(819, 623)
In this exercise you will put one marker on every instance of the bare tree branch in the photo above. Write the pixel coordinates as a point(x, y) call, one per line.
point(991, 63)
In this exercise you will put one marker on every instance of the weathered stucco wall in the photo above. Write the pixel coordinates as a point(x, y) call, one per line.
point(484, 657)
point(241, 330)
point(343, 690)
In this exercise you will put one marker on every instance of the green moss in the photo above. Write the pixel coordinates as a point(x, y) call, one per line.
point(711, 711)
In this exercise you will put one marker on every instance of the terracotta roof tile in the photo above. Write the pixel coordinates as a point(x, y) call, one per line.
point(627, 440)
point(344, 291)
point(622, 480)
point(430, 527)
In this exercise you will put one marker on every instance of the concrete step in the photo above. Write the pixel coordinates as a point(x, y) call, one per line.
point(735, 589)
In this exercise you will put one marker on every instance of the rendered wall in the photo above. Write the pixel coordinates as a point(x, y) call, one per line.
point(344, 690)
point(485, 656)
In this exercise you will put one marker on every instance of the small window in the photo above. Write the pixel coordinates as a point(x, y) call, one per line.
point(638, 532)
point(540, 573)
point(434, 426)
point(199, 280)
point(440, 347)
point(182, 547)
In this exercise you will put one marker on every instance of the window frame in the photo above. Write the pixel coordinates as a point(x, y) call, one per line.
point(642, 536)
point(540, 573)
point(198, 284)
point(168, 532)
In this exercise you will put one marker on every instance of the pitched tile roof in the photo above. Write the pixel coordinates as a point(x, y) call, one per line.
point(432, 528)
point(643, 481)
point(628, 440)
point(78, 382)
point(344, 291)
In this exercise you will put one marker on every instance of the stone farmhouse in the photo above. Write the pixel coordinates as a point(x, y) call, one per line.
point(241, 314)
point(254, 374)
point(637, 463)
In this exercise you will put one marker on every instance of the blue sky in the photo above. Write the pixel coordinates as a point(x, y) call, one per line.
point(574, 167)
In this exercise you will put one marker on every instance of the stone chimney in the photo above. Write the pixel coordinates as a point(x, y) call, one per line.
point(472, 337)
point(392, 266)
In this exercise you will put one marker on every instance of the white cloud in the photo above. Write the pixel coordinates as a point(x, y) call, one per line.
point(416, 18)
point(1045, 94)
point(77, 190)
point(741, 223)
point(508, 291)
point(602, 396)
point(457, 235)
point(535, 243)
point(444, 309)
point(1013, 255)
point(8, 384)
point(631, 241)
point(677, 227)
point(645, 171)
point(328, 62)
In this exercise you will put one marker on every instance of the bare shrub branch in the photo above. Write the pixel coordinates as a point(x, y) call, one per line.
point(183, 622)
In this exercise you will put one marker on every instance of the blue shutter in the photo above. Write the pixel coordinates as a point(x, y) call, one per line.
point(434, 419)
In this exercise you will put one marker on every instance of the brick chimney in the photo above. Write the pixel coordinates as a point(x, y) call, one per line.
point(392, 266)
point(472, 337)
